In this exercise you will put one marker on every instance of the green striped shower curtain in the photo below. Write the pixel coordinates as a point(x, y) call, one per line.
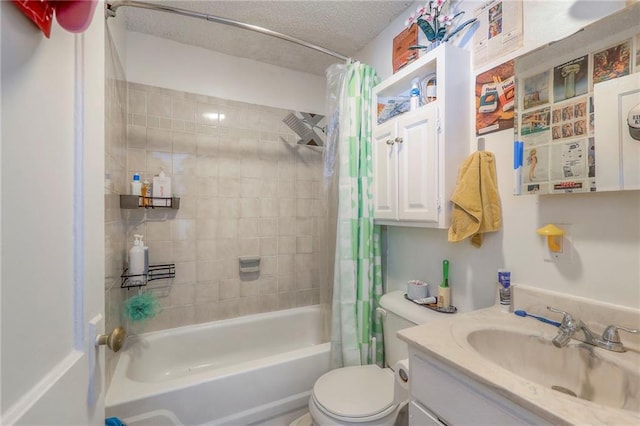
point(357, 284)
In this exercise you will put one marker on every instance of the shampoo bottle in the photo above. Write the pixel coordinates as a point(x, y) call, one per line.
point(136, 185)
point(136, 262)
point(161, 188)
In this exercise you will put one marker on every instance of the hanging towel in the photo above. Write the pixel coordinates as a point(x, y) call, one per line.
point(476, 201)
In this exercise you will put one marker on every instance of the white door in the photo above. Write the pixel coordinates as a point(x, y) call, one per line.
point(385, 175)
point(52, 214)
point(417, 166)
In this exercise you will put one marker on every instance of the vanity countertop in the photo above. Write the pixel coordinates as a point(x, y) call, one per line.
point(446, 341)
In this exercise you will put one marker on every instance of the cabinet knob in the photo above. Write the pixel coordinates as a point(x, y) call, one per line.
point(390, 142)
point(398, 139)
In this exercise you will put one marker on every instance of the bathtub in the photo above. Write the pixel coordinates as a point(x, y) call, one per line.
point(235, 372)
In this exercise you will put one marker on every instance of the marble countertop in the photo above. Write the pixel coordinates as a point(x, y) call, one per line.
point(446, 341)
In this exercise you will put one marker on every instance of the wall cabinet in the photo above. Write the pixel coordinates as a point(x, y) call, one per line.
point(404, 158)
point(416, 154)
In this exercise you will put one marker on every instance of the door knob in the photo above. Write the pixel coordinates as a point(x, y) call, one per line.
point(114, 340)
point(389, 141)
point(398, 139)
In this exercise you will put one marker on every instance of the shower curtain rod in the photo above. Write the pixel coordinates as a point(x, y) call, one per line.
point(112, 8)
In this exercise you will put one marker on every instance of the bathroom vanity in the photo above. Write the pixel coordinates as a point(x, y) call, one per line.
point(493, 367)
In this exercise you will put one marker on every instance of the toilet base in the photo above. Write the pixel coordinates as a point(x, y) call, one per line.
point(304, 420)
point(319, 418)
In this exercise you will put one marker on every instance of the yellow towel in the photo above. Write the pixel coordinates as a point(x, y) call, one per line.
point(476, 201)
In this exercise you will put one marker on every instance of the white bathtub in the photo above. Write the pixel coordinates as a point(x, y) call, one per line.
point(235, 372)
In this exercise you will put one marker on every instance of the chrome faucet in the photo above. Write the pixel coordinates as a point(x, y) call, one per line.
point(610, 339)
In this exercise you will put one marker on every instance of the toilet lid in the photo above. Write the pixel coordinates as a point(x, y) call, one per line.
point(356, 392)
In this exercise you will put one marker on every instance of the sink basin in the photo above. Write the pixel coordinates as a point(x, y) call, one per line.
point(579, 370)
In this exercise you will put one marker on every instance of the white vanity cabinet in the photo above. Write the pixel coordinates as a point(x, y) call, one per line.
point(416, 155)
point(442, 395)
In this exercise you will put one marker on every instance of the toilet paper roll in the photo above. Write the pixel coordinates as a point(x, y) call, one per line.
point(417, 289)
point(401, 382)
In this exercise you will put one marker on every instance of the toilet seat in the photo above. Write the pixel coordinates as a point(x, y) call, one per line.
point(355, 394)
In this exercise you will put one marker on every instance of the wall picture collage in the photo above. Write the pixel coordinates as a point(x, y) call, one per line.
point(555, 117)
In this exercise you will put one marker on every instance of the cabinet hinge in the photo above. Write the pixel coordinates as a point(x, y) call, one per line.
point(438, 205)
point(438, 127)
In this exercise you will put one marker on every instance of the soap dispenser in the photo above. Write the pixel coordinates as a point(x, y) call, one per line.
point(136, 262)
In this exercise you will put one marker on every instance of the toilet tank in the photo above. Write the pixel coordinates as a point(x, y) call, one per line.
point(400, 314)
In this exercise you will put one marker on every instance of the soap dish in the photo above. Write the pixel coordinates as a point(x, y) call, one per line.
point(434, 307)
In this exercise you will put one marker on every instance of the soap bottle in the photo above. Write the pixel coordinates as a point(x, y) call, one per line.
point(146, 253)
point(136, 262)
point(136, 185)
point(414, 95)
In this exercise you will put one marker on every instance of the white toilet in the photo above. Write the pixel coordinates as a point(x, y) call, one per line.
point(366, 395)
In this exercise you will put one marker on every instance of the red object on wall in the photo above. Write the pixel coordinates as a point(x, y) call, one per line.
point(39, 11)
point(74, 15)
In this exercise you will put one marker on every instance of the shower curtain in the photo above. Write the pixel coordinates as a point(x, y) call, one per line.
point(357, 283)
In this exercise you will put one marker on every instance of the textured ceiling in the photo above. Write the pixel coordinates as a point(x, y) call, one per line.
point(344, 27)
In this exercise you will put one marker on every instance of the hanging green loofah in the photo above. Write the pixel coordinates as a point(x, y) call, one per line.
point(141, 307)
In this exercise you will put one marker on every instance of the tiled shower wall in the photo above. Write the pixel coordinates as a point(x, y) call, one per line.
point(246, 189)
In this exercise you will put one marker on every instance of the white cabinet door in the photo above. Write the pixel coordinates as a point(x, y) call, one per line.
point(418, 165)
point(385, 173)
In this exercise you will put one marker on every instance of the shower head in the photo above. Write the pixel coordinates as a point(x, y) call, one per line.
point(307, 134)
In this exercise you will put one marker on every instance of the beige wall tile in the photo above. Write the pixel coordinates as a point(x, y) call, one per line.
point(157, 161)
point(183, 109)
point(159, 105)
point(185, 164)
point(206, 250)
point(159, 140)
point(206, 291)
point(183, 251)
point(249, 246)
point(183, 229)
point(268, 246)
point(207, 229)
point(136, 137)
point(206, 271)
point(207, 312)
point(136, 162)
point(185, 273)
point(229, 288)
point(287, 245)
point(243, 192)
point(184, 142)
point(158, 231)
point(137, 102)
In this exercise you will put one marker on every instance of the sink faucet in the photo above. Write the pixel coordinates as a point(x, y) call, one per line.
point(610, 339)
